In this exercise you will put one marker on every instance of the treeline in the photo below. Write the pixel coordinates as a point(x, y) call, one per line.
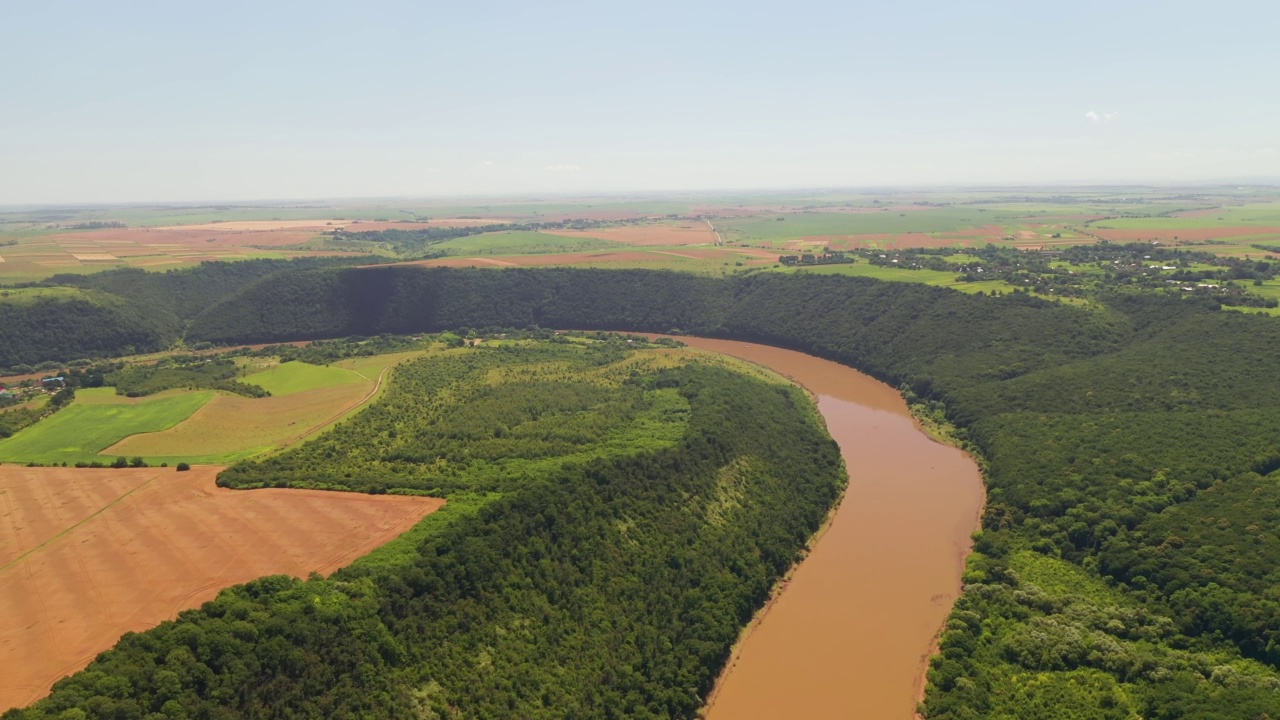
point(141, 311)
point(180, 372)
point(15, 419)
point(611, 584)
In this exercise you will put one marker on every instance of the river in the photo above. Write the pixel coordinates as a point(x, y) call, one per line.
point(851, 633)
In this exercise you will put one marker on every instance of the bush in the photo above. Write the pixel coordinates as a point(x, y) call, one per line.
point(183, 467)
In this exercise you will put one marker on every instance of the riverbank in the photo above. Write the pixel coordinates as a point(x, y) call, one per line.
point(850, 629)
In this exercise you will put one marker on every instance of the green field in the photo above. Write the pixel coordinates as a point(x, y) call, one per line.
point(774, 227)
point(97, 420)
point(935, 278)
point(31, 294)
point(293, 377)
point(522, 242)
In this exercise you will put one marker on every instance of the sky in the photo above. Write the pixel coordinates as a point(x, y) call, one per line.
point(138, 101)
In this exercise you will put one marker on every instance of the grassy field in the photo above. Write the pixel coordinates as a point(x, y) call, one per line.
point(233, 427)
point(202, 427)
point(306, 399)
point(935, 278)
point(97, 420)
point(777, 227)
point(519, 242)
point(295, 377)
point(31, 294)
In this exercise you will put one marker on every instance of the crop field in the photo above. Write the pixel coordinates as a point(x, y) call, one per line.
point(305, 400)
point(893, 274)
point(653, 233)
point(88, 554)
point(161, 248)
point(777, 228)
point(520, 242)
point(699, 260)
point(203, 426)
point(97, 420)
point(233, 427)
point(296, 377)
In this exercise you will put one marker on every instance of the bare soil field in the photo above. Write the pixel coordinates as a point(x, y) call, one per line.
point(88, 554)
point(689, 233)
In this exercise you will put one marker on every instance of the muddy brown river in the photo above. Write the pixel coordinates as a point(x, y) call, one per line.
point(851, 633)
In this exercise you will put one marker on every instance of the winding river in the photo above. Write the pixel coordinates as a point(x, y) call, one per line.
point(851, 633)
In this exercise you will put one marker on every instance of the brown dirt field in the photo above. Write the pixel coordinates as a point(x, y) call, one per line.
point(89, 554)
point(233, 423)
point(656, 234)
point(1217, 233)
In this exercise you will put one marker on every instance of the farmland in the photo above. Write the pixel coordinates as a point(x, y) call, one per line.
point(305, 399)
point(95, 421)
point(638, 232)
point(86, 554)
point(294, 377)
point(203, 426)
point(559, 453)
point(1078, 444)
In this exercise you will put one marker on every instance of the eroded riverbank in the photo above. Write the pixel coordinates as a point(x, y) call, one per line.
point(851, 633)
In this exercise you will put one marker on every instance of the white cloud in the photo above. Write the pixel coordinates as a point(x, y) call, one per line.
point(562, 168)
point(1100, 118)
point(1264, 152)
point(487, 162)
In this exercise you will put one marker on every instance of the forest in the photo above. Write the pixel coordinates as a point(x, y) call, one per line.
point(1125, 565)
point(624, 515)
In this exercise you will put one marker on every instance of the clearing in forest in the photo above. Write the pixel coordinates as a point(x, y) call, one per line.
point(292, 377)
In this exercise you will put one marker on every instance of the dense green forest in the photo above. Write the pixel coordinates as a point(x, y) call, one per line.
point(1125, 567)
point(623, 516)
point(132, 310)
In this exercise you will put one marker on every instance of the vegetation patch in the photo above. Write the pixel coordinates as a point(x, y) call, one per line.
point(86, 428)
point(294, 377)
point(579, 576)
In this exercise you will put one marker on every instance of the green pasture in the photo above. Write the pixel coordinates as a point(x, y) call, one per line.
point(32, 294)
point(293, 377)
point(778, 227)
point(1262, 214)
point(94, 423)
point(935, 278)
point(521, 242)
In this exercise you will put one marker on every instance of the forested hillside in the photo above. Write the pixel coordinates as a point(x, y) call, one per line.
point(623, 514)
point(132, 310)
point(1125, 566)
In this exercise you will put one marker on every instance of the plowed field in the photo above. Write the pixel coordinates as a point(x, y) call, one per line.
point(88, 554)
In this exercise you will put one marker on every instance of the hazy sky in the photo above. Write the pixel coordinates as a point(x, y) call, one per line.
point(137, 101)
